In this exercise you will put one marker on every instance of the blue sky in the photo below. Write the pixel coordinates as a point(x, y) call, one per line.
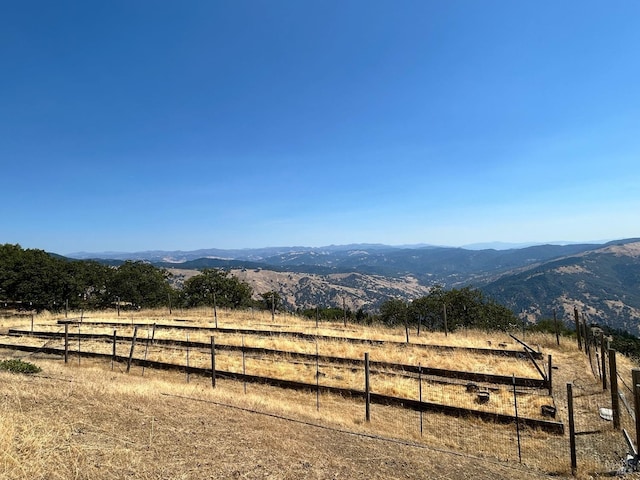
point(134, 125)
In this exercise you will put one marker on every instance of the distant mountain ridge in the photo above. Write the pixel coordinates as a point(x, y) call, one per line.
point(601, 280)
point(258, 254)
point(248, 254)
point(604, 284)
point(450, 265)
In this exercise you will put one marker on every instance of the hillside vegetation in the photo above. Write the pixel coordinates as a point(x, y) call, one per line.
point(604, 284)
point(34, 280)
point(601, 281)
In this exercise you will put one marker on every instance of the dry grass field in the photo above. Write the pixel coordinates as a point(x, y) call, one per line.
point(86, 420)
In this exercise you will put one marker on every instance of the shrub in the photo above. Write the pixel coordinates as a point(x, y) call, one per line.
point(18, 366)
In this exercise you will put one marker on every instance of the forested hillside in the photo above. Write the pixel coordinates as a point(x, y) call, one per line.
point(604, 284)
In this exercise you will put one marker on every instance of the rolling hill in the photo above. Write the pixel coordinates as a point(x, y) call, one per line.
point(601, 280)
point(603, 283)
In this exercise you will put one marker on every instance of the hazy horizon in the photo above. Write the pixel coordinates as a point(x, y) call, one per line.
point(473, 246)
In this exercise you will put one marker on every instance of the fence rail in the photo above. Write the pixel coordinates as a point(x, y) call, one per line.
point(542, 383)
point(308, 336)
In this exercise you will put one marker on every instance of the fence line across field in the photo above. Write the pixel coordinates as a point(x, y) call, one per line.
point(602, 360)
point(244, 377)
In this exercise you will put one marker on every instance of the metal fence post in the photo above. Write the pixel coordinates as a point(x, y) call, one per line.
point(367, 391)
point(213, 362)
point(635, 376)
point(603, 352)
point(572, 430)
point(550, 375)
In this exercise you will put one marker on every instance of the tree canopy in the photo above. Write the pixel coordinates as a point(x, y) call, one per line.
point(466, 307)
point(216, 285)
point(38, 280)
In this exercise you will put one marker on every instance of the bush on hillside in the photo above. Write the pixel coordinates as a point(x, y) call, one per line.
point(18, 366)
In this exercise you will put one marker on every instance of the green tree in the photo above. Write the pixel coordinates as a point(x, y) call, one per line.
point(139, 283)
point(393, 312)
point(466, 308)
point(229, 292)
point(30, 276)
point(86, 285)
point(271, 300)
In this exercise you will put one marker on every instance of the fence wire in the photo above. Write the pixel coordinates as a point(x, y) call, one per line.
point(493, 420)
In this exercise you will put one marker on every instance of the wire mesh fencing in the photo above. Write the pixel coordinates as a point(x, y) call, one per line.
point(508, 418)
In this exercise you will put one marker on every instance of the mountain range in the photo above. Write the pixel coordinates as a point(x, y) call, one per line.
point(601, 280)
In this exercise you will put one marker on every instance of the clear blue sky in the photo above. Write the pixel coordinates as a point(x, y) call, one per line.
point(135, 125)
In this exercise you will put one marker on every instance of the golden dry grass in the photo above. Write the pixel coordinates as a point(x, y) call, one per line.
point(100, 397)
point(261, 320)
point(85, 422)
point(341, 376)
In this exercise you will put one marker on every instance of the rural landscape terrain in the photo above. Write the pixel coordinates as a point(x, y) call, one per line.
point(350, 362)
point(283, 240)
point(138, 395)
point(601, 280)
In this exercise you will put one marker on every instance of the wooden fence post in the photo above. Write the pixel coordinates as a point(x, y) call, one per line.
point(367, 392)
point(213, 362)
point(66, 343)
point(344, 311)
point(79, 337)
point(577, 319)
point(113, 349)
point(187, 358)
point(615, 400)
point(273, 307)
point(572, 430)
point(146, 350)
point(406, 329)
point(586, 337)
point(444, 314)
point(420, 394)
point(244, 367)
point(133, 346)
point(215, 310)
point(557, 327)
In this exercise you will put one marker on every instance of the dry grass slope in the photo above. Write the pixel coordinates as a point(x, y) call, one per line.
point(85, 421)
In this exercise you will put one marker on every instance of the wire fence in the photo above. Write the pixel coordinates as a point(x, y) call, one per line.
point(504, 419)
point(511, 418)
point(613, 397)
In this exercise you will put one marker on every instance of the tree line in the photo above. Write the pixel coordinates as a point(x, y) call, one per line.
point(38, 280)
point(448, 310)
point(440, 310)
